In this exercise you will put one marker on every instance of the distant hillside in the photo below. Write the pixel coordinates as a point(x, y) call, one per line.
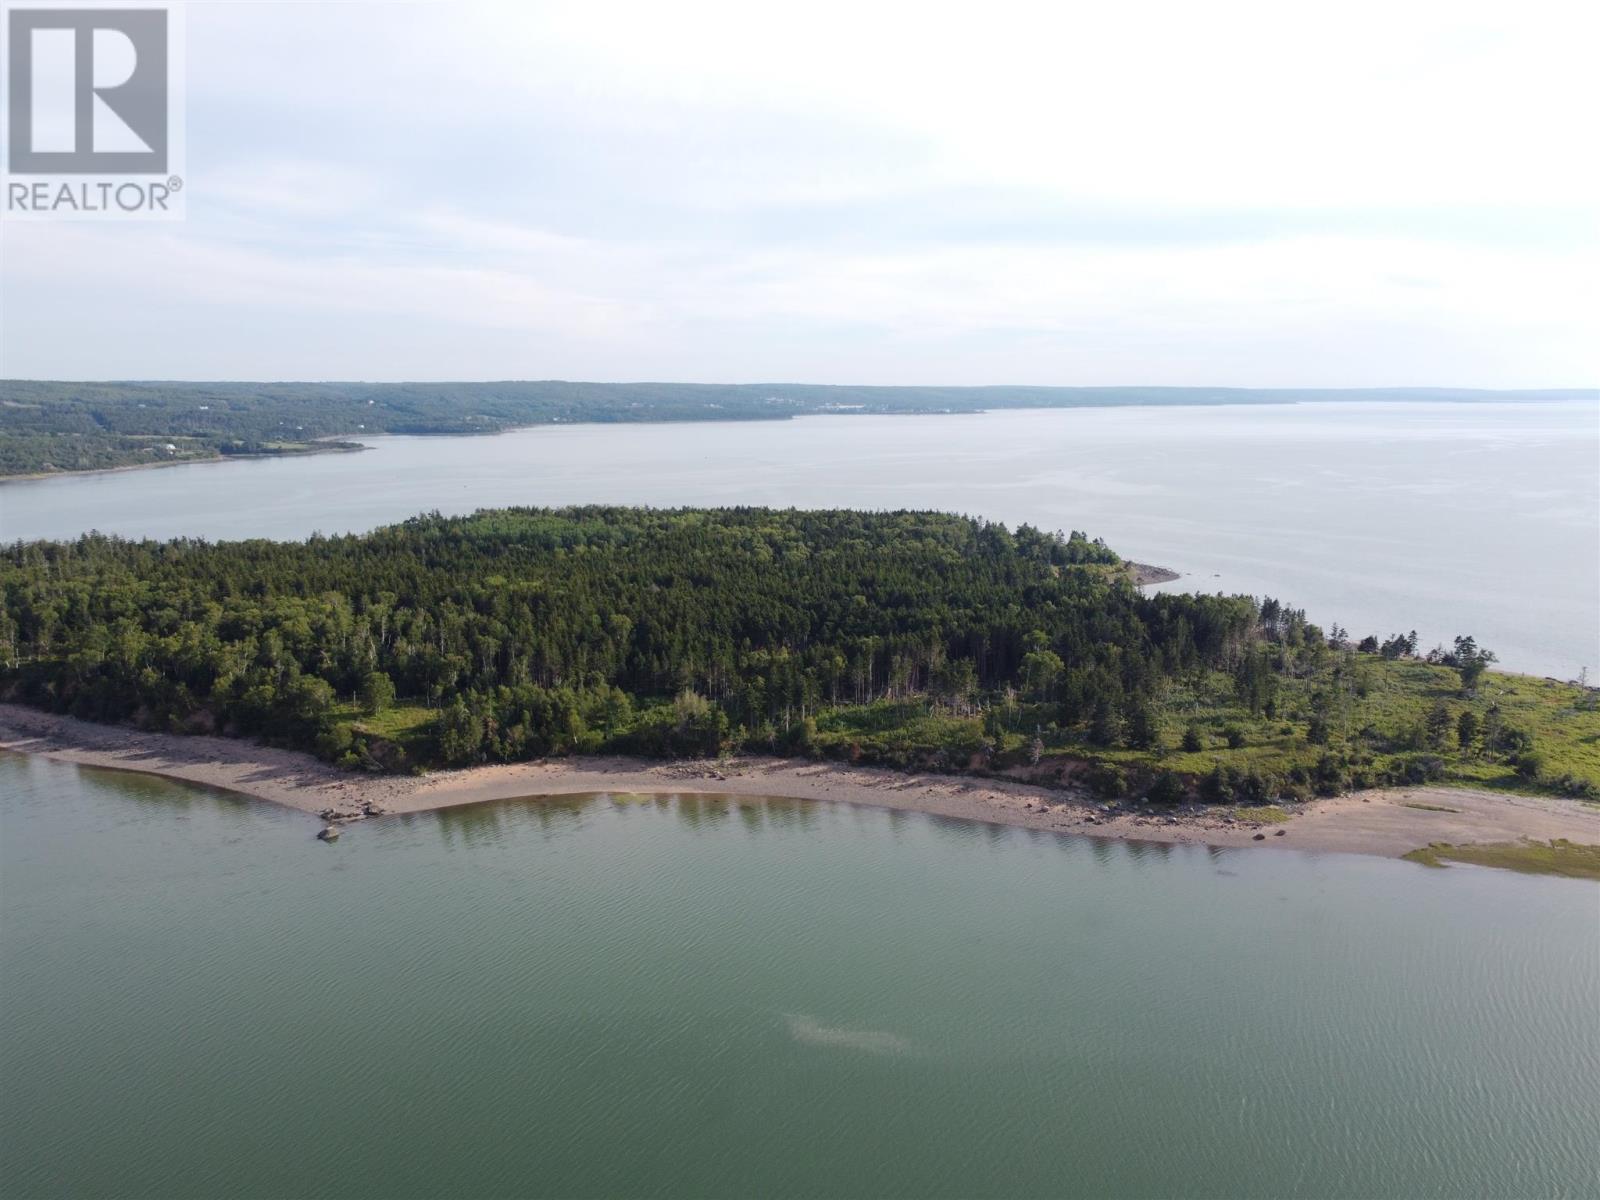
point(48, 426)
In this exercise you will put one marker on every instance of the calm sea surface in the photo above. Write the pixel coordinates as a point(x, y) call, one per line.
point(702, 996)
point(1384, 517)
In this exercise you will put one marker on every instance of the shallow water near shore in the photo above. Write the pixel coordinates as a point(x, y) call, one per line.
point(1446, 518)
point(709, 996)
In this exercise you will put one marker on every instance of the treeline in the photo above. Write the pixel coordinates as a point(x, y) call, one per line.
point(533, 632)
point(48, 425)
point(906, 638)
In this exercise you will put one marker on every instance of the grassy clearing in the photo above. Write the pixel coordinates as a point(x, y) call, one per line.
point(1377, 728)
point(1571, 860)
point(271, 449)
point(1262, 814)
point(902, 733)
point(409, 726)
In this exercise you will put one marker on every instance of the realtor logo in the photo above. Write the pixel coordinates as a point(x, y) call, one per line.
point(88, 91)
point(92, 92)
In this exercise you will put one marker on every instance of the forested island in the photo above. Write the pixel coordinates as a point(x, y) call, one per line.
point(47, 427)
point(908, 639)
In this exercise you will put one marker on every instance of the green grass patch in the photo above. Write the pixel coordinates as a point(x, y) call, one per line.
point(397, 724)
point(1376, 726)
point(1261, 814)
point(1571, 860)
point(900, 734)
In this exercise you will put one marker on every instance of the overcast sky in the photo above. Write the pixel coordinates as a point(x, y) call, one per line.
point(1106, 193)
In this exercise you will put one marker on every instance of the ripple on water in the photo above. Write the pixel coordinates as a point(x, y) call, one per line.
point(724, 996)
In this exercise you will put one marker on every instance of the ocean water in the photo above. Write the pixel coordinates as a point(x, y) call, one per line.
point(1481, 519)
point(707, 996)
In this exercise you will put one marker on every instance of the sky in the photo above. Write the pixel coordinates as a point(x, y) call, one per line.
point(1318, 195)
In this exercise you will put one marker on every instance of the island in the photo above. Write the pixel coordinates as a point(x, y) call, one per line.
point(565, 649)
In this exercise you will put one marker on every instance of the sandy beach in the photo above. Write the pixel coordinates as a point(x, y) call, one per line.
point(1388, 823)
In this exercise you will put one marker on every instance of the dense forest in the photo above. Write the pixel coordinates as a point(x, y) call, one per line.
point(908, 638)
point(56, 426)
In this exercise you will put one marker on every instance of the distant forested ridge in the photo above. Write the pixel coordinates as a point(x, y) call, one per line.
point(909, 638)
point(48, 426)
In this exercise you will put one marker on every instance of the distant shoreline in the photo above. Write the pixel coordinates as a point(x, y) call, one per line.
point(1384, 823)
point(994, 398)
point(343, 447)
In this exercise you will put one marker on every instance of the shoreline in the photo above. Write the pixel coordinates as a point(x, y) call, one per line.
point(36, 476)
point(1388, 823)
point(1145, 574)
point(1245, 400)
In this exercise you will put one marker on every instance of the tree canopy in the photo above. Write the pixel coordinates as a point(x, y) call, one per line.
point(906, 637)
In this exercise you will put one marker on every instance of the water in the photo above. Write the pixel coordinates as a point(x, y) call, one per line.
point(709, 997)
point(1384, 517)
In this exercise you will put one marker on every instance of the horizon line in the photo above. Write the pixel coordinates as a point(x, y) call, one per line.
point(758, 383)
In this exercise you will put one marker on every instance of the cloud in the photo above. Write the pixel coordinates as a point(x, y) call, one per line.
point(1149, 193)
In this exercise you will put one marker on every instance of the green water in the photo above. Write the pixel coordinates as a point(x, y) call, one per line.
point(707, 997)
